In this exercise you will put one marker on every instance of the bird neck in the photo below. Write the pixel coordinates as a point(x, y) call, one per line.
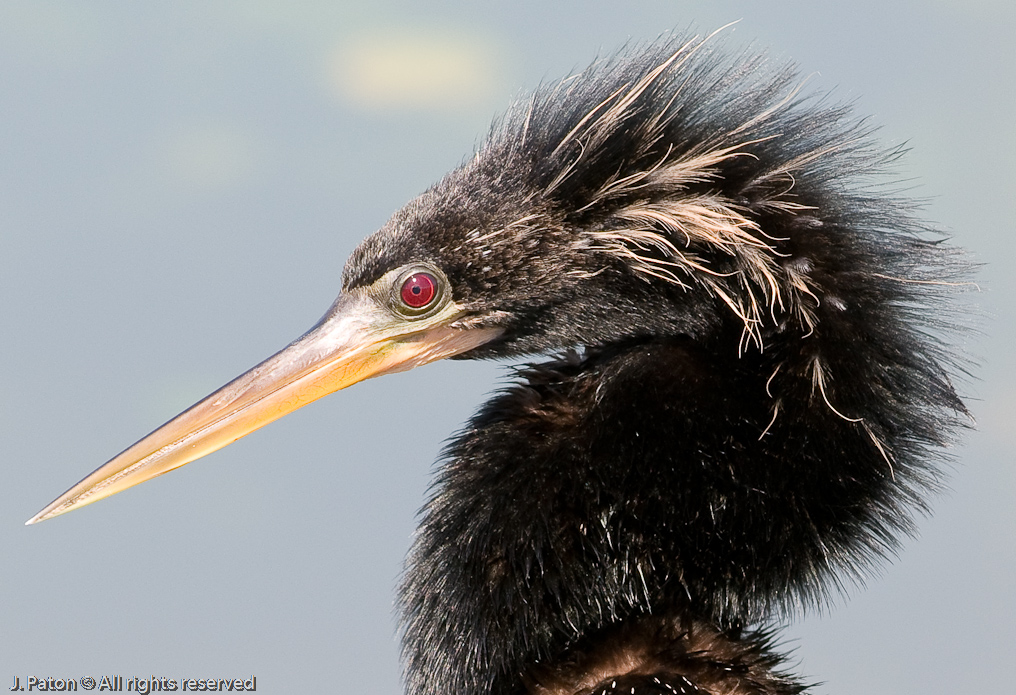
point(664, 477)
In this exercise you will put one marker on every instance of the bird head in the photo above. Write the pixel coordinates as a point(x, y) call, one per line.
point(663, 195)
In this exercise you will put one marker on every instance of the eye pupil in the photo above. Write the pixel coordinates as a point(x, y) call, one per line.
point(419, 290)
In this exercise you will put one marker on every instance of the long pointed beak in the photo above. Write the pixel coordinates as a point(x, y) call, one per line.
point(357, 339)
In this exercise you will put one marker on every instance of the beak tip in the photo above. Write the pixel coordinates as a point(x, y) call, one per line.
point(41, 516)
point(47, 512)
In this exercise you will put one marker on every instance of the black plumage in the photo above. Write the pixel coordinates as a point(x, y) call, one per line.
point(747, 413)
point(743, 397)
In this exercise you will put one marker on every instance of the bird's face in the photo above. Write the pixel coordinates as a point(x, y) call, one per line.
point(581, 231)
point(472, 266)
point(404, 316)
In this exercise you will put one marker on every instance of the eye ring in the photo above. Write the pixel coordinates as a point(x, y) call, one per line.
point(419, 290)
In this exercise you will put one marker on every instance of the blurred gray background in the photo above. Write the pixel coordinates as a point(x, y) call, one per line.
point(180, 184)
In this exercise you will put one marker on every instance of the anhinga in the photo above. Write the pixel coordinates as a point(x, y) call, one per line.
point(743, 402)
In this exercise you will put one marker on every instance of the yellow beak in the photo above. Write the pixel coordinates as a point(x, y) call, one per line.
point(357, 339)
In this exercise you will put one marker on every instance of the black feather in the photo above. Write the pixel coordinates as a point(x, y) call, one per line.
point(754, 403)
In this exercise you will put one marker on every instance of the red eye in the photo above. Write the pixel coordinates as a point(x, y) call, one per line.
point(419, 290)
